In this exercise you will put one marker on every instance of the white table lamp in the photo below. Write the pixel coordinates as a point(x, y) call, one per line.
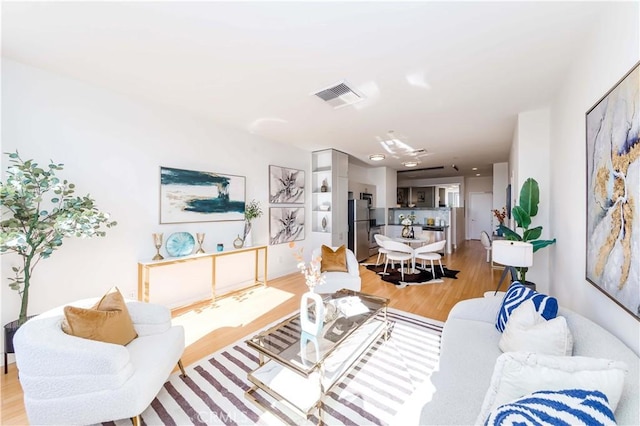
point(512, 254)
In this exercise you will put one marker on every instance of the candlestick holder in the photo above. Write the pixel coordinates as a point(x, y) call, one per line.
point(157, 242)
point(200, 240)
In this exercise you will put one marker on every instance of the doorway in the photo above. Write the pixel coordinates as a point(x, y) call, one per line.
point(480, 205)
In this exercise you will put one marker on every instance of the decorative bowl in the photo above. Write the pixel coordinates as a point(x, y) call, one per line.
point(180, 244)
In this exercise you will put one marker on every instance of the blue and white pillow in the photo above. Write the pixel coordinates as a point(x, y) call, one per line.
point(517, 293)
point(564, 407)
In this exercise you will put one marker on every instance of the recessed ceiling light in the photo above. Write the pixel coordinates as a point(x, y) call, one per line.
point(377, 157)
point(477, 174)
point(475, 168)
point(410, 163)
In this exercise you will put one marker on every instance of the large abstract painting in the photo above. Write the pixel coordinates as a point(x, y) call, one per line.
point(286, 224)
point(613, 193)
point(193, 196)
point(286, 186)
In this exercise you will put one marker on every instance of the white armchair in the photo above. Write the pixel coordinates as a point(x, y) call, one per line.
point(71, 380)
point(335, 281)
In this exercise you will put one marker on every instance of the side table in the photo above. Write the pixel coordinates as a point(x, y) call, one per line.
point(10, 331)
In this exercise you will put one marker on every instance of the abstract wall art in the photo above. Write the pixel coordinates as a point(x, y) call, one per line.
point(613, 193)
point(194, 196)
point(286, 224)
point(286, 186)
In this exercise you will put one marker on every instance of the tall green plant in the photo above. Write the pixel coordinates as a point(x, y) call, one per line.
point(522, 214)
point(38, 212)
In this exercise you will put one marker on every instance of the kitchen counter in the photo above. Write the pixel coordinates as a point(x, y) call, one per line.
point(418, 208)
point(434, 233)
point(425, 227)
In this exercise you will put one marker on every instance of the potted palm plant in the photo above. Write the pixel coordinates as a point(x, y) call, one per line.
point(38, 212)
point(522, 214)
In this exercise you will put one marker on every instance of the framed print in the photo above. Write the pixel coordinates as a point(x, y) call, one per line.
point(194, 196)
point(286, 186)
point(285, 224)
point(507, 206)
point(613, 193)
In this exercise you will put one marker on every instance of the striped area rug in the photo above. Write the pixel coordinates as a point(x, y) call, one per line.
point(372, 392)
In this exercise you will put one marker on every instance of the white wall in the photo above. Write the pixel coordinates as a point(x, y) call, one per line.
point(113, 147)
point(532, 144)
point(500, 182)
point(611, 52)
point(478, 184)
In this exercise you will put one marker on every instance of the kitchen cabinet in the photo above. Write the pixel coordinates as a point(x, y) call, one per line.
point(424, 196)
point(403, 196)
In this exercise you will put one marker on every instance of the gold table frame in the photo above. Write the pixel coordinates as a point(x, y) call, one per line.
point(144, 268)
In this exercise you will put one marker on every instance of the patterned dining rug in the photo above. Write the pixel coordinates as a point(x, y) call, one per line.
point(423, 276)
point(378, 390)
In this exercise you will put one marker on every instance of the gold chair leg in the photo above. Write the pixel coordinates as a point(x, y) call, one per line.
point(183, 374)
point(136, 421)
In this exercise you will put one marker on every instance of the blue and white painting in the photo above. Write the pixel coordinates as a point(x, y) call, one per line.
point(193, 196)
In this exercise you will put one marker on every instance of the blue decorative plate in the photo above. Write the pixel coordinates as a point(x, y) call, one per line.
point(180, 244)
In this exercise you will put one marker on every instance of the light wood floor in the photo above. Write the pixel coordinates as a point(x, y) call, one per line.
point(212, 326)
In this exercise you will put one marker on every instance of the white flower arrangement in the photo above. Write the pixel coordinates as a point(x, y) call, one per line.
point(312, 272)
point(407, 220)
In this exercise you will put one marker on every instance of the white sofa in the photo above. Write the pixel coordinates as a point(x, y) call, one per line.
point(70, 380)
point(469, 349)
point(335, 281)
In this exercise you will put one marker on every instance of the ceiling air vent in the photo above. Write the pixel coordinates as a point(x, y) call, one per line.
point(339, 95)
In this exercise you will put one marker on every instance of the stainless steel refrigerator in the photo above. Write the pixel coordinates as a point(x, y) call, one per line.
point(358, 219)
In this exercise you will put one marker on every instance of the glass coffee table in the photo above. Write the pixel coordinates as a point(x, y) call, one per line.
point(302, 368)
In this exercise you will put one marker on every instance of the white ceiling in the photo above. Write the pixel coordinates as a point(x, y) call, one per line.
point(449, 77)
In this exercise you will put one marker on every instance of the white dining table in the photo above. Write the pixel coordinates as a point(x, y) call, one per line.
point(410, 241)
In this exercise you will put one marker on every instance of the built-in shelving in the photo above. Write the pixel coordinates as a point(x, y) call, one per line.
point(329, 197)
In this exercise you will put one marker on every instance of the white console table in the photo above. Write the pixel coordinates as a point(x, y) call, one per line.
point(144, 268)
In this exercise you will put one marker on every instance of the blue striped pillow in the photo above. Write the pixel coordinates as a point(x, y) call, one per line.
point(517, 293)
point(564, 407)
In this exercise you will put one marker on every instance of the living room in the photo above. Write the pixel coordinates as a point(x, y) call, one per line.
point(113, 142)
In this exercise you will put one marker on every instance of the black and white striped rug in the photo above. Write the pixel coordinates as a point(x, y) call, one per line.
point(374, 391)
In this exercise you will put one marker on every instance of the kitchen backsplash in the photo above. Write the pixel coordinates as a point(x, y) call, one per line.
point(440, 215)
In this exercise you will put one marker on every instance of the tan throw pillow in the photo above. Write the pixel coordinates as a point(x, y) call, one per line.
point(334, 261)
point(108, 321)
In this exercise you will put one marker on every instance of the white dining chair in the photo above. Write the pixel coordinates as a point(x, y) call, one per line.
point(430, 253)
point(486, 243)
point(399, 252)
point(381, 250)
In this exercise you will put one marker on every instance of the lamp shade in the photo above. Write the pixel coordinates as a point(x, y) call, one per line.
point(512, 253)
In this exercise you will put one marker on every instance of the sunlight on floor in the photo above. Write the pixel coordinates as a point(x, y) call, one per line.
point(232, 311)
